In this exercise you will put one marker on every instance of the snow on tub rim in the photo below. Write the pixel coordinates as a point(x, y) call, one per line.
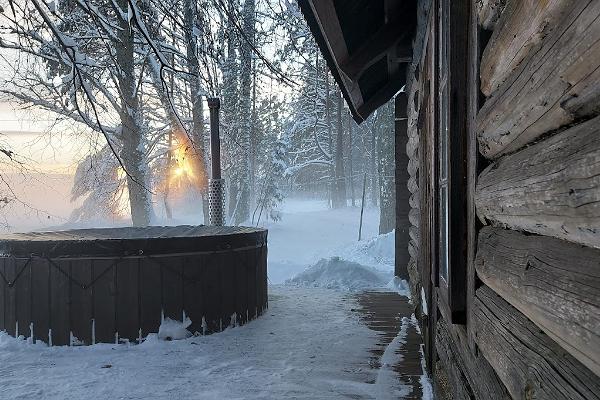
point(114, 285)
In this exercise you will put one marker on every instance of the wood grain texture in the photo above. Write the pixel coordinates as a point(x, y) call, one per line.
point(471, 376)
point(551, 188)
point(545, 90)
point(556, 284)
point(489, 11)
point(531, 365)
point(519, 30)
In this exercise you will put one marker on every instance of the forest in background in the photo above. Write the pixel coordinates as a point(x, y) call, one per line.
point(132, 78)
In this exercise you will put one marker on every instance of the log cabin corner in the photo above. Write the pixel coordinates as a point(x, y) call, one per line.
point(497, 177)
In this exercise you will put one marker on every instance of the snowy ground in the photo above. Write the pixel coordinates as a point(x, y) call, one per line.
point(299, 349)
point(309, 345)
point(310, 231)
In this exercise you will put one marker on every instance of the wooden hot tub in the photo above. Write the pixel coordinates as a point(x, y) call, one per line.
point(115, 284)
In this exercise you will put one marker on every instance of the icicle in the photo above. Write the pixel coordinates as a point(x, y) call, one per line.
point(233, 320)
point(220, 324)
point(247, 316)
point(255, 312)
point(71, 338)
point(203, 326)
point(50, 337)
point(162, 316)
point(140, 336)
point(93, 331)
point(31, 340)
point(17, 329)
point(183, 315)
point(116, 337)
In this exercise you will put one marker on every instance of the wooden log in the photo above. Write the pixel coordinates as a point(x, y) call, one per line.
point(413, 232)
point(533, 100)
point(412, 184)
point(413, 166)
point(412, 148)
point(551, 188)
point(488, 12)
point(521, 28)
point(531, 365)
point(413, 201)
point(413, 249)
point(556, 284)
point(471, 375)
point(414, 216)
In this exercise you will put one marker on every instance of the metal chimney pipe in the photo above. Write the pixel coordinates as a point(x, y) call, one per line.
point(216, 185)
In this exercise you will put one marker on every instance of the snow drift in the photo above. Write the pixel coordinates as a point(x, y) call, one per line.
point(378, 252)
point(337, 273)
point(174, 330)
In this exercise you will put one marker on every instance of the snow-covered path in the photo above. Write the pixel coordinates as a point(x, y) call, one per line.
point(309, 345)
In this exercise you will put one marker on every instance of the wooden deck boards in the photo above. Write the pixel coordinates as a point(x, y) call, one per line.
point(384, 312)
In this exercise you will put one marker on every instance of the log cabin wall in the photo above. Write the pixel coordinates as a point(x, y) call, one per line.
point(536, 314)
point(533, 276)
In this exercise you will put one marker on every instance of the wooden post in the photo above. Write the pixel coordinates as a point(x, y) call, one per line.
point(402, 193)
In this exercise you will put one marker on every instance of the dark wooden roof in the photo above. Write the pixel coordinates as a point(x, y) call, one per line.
point(367, 45)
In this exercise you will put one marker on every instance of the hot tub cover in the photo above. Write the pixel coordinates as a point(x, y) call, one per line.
point(130, 241)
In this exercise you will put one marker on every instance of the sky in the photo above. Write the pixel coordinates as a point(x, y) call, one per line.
point(50, 154)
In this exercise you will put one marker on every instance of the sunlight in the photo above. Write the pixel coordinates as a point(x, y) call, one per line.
point(185, 168)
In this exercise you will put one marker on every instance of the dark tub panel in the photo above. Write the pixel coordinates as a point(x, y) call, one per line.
point(85, 286)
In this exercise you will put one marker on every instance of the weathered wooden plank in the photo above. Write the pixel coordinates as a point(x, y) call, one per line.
point(473, 104)
point(211, 295)
point(551, 188)
point(554, 283)
point(252, 283)
point(489, 11)
point(533, 100)
point(151, 301)
point(104, 301)
point(127, 308)
point(10, 316)
point(60, 303)
point(40, 271)
point(172, 284)
point(192, 291)
point(81, 301)
point(531, 365)
point(3, 289)
point(23, 297)
point(455, 383)
point(521, 27)
point(471, 375)
point(227, 282)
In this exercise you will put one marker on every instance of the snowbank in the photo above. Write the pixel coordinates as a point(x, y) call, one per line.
point(174, 330)
point(377, 252)
point(337, 273)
